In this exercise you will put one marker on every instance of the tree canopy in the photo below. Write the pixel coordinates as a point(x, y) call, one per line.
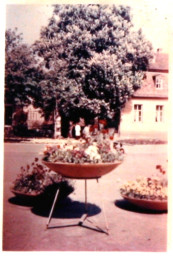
point(93, 60)
point(21, 73)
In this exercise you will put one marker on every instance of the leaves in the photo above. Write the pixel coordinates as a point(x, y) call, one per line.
point(21, 73)
point(35, 178)
point(88, 61)
point(97, 60)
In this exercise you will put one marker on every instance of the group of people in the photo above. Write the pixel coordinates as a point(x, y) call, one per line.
point(80, 130)
point(77, 131)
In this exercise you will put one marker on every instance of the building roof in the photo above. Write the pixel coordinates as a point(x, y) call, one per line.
point(145, 93)
point(158, 67)
point(160, 62)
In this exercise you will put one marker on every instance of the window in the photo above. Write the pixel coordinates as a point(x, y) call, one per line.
point(137, 113)
point(159, 82)
point(33, 115)
point(159, 113)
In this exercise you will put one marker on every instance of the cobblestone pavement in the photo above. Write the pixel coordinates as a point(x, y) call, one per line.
point(130, 228)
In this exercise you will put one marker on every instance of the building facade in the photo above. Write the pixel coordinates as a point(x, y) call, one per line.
point(147, 113)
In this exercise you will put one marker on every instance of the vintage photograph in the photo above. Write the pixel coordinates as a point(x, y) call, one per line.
point(86, 126)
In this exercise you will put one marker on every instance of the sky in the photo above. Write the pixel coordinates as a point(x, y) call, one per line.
point(152, 16)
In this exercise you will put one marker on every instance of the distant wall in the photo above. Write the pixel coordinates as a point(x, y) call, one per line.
point(35, 118)
point(148, 124)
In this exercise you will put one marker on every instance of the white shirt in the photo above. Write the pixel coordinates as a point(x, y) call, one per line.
point(77, 130)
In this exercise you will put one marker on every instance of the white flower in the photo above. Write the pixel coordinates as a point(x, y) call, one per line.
point(92, 151)
point(70, 147)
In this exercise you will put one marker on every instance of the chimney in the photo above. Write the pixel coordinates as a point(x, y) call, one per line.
point(154, 58)
point(159, 50)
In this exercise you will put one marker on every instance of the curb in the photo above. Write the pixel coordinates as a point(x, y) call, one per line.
point(128, 141)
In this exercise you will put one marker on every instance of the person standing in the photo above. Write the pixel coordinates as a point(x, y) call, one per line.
point(77, 131)
point(86, 132)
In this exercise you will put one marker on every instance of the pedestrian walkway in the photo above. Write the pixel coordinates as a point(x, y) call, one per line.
point(130, 228)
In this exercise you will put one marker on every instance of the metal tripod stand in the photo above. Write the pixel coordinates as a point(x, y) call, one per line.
point(85, 216)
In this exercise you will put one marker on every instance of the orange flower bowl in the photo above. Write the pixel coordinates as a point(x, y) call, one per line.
point(155, 205)
point(82, 171)
point(25, 195)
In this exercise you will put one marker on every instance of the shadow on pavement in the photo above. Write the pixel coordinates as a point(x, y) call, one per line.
point(125, 205)
point(45, 198)
point(22, 202)
point(65, 209)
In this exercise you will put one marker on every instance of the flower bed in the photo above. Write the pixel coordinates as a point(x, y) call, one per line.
point(84, 152)
point(147, 188)
point(35, 179)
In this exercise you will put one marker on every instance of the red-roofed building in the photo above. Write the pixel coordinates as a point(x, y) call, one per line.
point(147, 112)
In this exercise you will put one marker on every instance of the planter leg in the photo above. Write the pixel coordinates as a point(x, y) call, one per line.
point(86, 206)
point(102, 202)
point(85, 215)
point(53, 206)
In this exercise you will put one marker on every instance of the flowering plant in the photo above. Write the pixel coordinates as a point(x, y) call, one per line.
point(34, 179)
point(151, 188)
point(84, 152)
point(104, 122)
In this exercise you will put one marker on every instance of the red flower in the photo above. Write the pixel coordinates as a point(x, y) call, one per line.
point(102, 122)
point(122, 150)
point(91, 129)
point(95, 126)
point(104, 131)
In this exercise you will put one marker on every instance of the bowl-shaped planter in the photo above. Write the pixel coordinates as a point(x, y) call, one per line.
point(82, 171)
point(155, 205)
point(25, 195)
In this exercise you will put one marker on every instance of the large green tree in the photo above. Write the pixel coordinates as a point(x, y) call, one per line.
point(21, 71)
point(93, 60)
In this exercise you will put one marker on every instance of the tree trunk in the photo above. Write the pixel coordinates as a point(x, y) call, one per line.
point(119, 124)
point(65, 127)
point(57, 123)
